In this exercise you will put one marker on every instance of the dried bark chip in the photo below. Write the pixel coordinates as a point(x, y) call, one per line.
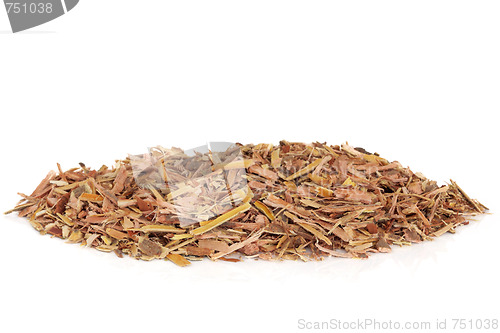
point(383, 246)
point(116, 234)
point(412, 236)
point(144, 205)
point(150, 248)
point(60, 206)
point(178, 259)
point(55, 231)
point(251, 249)
point(372, 228)
point(198, 251)
point(213, 245)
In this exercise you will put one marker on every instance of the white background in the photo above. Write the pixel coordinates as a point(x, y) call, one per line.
point(416, 81)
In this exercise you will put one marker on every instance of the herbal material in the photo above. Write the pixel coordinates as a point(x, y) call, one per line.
point(290, 201)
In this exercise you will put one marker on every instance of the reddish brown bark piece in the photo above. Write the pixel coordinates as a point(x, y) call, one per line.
point(372, 228)
point(251, 249)
point(150, 248)
point(305, 201)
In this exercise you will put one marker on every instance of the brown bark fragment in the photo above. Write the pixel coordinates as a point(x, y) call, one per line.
point(149, 247)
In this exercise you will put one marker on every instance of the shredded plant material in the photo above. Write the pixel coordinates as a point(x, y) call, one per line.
point(291, 201)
